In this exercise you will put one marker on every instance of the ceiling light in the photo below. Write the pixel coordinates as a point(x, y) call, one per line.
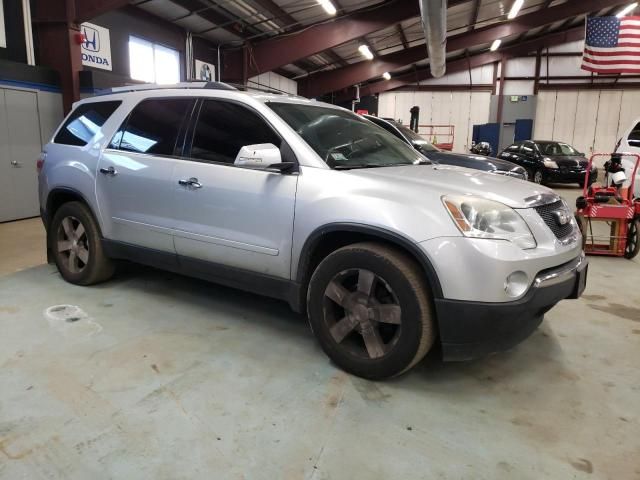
point(328, 6)
point(495, 45)
point(626, 9)
point(364, 50)
point(386, 76)
point(515, 8)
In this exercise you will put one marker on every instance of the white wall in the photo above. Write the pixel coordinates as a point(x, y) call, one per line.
point(460, 109)
point(276, 81)
point(590, 120)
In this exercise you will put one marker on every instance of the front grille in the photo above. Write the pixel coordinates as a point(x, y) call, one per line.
point(546, 212)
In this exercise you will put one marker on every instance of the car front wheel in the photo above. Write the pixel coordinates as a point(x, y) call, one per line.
point(369, 307)
point(537, 177)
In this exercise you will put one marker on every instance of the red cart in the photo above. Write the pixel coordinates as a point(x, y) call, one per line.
point(612, 209)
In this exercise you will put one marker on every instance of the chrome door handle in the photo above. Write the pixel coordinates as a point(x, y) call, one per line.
point(109, 171)
point(15, 163)
point(192, 182)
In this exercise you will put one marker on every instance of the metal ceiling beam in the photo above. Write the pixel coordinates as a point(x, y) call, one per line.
point(325, 82)
point(88, 9)
point(474, 15)
point(278, 51)
point(403, 37)
point(474, 61)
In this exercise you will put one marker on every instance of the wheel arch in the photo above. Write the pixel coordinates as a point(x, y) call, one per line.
point(328, 238)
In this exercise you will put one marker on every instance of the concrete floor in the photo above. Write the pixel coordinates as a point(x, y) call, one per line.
point(165, 377)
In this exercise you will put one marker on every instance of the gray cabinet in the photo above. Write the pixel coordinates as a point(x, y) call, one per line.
point(20, 146)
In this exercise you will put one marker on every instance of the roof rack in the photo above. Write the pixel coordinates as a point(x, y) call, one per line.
point(154, 86)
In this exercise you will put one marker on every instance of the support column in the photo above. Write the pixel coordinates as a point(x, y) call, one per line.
point(58, 49)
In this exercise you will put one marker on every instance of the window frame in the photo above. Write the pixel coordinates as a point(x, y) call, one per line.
point(286, 152)
point(178, 148)
point(153, 50)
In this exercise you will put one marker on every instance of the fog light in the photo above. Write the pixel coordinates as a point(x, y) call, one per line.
point(516, 284)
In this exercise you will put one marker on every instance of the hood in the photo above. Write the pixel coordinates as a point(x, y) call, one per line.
point(568, 160)
point(438, 180)
point(479, 162)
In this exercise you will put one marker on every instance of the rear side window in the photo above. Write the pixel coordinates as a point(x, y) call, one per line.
point(153, 126)
point(84, 122)
point(634, 136)
point(223, 128)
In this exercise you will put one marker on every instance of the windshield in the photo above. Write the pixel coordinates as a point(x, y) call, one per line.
point(556, 148)
point(416, 139)
point(345, 140)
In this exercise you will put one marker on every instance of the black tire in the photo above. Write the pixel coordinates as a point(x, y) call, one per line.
point(633, 239)
point(78, 252)
point(404, 338)
point(537, 177)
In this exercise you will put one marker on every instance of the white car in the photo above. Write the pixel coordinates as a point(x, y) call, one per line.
point(630, 143)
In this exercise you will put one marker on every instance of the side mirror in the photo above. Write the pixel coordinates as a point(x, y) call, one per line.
point(260, 156)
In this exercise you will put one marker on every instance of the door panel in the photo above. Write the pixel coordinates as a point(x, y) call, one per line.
point(239, 217)
point(135, 202)
point(6, 171)
point(134, 175)
point(21, 147)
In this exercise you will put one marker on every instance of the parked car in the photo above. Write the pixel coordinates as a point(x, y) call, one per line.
point(630, 143)
point(478, 162)
point(310, 203)
point(550, 161)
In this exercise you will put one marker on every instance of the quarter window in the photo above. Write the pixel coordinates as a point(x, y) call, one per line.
point(153, 126)
point(223, 128)
point(84, 122)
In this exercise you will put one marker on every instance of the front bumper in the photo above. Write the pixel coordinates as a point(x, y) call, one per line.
point(563, 175)
point(474, 329)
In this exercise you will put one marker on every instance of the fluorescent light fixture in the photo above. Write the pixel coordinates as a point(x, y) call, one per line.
point(626, 9)
point(515, 8)
point(386, 76)
point(495, 45)
point(364, 50)
point(328, 6)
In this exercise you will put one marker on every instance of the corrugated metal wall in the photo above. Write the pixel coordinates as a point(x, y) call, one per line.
point(590, 120)
point(273, 80)
point(461, 109)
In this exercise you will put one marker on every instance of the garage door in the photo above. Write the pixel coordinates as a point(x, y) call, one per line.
point(19, 149)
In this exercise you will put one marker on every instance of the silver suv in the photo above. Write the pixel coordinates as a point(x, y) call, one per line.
point(307, 202)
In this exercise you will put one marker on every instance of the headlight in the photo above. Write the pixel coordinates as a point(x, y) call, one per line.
point(549, 163)
point(481, 218)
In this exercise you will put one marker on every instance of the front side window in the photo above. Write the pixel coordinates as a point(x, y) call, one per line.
point(153, 126)
point(84, 122)
point(153, 63)
point(634, 137)
point(343, 139)
point(528, 148)
point(223, 128)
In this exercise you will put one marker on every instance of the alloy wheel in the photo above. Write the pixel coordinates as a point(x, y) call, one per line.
point(537, 177)
point(72, 244)
point(362, 313)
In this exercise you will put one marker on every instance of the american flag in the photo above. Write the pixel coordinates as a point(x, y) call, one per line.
point(612, 45)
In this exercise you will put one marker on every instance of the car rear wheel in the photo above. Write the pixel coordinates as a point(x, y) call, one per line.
point(74, 239)
point(369, 307)
point(633, 239)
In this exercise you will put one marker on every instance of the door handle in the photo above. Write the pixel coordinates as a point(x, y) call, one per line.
point(109, 171)
point(15, 163)
point(192, 182)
